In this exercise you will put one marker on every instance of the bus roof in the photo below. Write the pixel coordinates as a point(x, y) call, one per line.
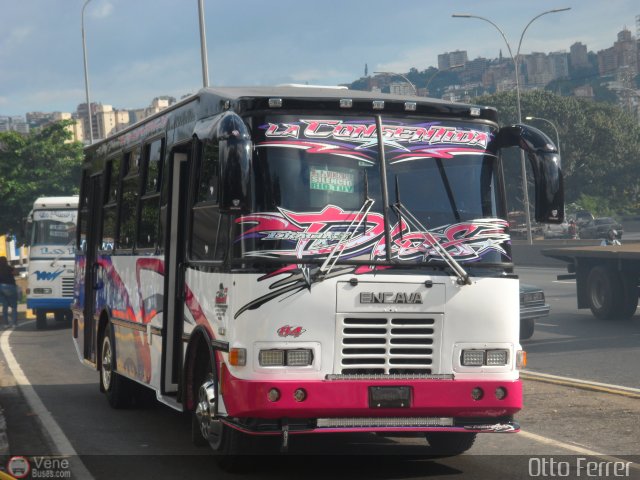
point(210, 101)
point(55, 202)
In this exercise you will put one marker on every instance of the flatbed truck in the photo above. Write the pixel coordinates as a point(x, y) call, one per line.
point(606, 277)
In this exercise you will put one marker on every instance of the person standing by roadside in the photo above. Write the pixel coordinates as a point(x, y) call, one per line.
point(8, 293)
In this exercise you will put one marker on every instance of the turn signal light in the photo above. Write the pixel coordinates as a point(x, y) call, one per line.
point(521, 359)
point(238, 357)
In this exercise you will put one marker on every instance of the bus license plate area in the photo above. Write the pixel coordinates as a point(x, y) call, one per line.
point(389, 397)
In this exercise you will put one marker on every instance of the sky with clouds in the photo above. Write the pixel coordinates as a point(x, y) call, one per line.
point(141, 49)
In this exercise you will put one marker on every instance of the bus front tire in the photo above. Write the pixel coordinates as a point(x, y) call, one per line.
point(207, 429)
point(116, 388)
point(450, 443)
point(41, 319)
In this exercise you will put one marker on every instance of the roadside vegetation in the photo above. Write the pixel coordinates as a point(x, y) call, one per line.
point(599, 144)
point(44, 163)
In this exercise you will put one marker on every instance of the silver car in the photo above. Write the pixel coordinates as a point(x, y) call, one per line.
point(532, 306)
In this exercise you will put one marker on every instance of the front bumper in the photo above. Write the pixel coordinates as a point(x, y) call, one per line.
point(534, 311)
point(349, 400)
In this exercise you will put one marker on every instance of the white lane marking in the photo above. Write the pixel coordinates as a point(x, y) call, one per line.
point(575, 448)
point(546, 324)
point(572, 282)
point(60, 441)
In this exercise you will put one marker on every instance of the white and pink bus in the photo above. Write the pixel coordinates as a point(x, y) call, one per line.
point(283, 261)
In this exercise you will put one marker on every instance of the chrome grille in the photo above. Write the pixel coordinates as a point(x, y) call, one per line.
point(369, 422)
point(67, 286)
point(396, 344)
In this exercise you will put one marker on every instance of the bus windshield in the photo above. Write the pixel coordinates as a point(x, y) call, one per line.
point(53, 227)
point(313, 175)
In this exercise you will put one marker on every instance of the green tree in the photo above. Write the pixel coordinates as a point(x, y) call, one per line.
point(599, 143)
point(43, 163)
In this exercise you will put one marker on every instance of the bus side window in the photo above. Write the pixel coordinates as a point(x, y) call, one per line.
point(150, 200)
point(205, 217)
point(129, 200)
point(109, 209)
point(83, 213)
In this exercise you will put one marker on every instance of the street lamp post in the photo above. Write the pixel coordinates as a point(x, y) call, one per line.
point(553, 126)
point(415, 90)
point(516, 60)
point(203, 45)
point(86, 75)
point(452, 67)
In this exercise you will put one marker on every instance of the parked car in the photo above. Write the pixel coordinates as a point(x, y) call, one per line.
point(557, 231)
point(518, 225)
point(532, 306)
point(583, 217)
point(598, 228)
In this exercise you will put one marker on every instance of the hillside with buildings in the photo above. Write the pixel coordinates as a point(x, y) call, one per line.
point(611, 75)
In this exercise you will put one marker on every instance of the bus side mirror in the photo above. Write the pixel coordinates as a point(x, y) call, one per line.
point(545, 163)
point(235, 164)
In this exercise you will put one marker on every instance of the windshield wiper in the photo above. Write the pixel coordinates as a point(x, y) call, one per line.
point(338, 248)
point(463, 276)
point(58, 257)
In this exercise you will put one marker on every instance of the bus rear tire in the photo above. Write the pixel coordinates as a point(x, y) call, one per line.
point(115, 386)
point(450, 443)
point(41, 319)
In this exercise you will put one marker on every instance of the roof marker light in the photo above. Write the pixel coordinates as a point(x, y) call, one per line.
point(474, 111)
point(378, 104)
point(275, 102)
point(410, 106)
point(346, 103)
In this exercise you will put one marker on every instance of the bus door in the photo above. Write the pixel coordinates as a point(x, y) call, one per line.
point(174, 269)
point(91, 282)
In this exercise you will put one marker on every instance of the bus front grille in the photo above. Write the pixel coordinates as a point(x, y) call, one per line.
point(67, 286)
point(374, 344)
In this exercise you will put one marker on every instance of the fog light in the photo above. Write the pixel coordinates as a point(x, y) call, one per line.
point(497, 357)
point(300, 395)
point(273, 395)
point(299, 358)
point(472, 358)
point(501, 393)
point(477, 393)
point(271, 358)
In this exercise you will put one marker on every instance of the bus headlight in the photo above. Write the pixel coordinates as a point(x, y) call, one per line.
point(271, 358)
point(472, 358)
point(497, 357)
point(290, 358)
point(299, 358)
point(479, 357)
point(42, 291)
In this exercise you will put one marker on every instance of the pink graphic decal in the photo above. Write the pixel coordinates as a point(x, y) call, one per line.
point(365, 133)
point(314, 235)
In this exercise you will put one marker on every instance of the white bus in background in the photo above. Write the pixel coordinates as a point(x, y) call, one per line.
point(52, 227)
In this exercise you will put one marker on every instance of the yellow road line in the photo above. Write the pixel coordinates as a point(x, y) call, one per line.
point(582, 384)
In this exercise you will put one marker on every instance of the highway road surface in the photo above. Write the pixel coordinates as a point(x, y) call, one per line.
point(586, 421)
